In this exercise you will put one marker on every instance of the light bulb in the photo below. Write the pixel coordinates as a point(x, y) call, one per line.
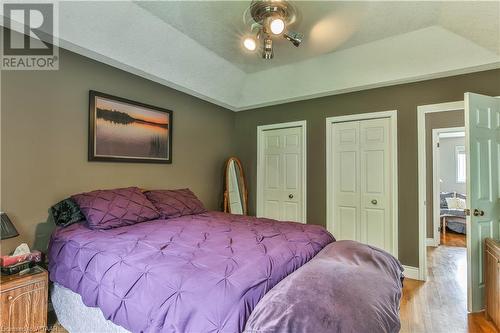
point(249, 44)
point(277, 26)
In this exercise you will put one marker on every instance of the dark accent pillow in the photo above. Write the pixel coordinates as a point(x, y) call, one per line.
point(175, 203)
point(443, 195)
point(106, 209)
point(66, 212)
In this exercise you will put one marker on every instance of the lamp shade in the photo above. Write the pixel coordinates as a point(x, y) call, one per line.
point(8, 230)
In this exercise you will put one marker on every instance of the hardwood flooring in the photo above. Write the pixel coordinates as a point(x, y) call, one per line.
point(440, 304)
point(451, 238)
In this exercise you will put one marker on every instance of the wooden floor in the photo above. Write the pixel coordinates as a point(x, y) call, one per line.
point(440, 304)
point(450, 238)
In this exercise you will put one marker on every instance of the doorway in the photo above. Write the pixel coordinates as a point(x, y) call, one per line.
point(449, 184)
point(481, 153)
point(282, 172)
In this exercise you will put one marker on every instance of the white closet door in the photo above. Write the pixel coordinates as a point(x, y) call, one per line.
point(376, 171)
point(362, 175)
point(346, 179)
point(282, 188)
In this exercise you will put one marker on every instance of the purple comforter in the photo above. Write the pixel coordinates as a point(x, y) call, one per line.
point(198, 273)
point(348, 287)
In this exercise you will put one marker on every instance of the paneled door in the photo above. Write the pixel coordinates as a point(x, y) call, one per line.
point(482, 135)
point(281, 178)
point(362, 182)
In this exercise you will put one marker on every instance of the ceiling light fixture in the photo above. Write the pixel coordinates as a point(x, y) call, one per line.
point(268, 52)
point(250, 44)
point(294, 37)
point(277, 26)
point(270, 18)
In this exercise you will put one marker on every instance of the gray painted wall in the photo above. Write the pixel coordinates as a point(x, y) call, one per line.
point(404, 98)
point(44, 142)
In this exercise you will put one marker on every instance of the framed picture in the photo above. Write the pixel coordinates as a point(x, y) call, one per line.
point(121, 130)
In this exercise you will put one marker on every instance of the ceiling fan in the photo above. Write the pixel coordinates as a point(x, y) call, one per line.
point(270, 19)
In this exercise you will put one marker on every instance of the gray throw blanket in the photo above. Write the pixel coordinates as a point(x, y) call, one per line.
point(346, 287)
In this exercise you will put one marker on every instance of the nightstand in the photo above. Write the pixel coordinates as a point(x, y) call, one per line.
point(23, 301)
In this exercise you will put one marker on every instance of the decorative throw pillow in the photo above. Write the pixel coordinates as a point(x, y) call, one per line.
point(66, 212)
point(106, 209)
point(452, 203)
point(461, 203)
point(175, 203)
point(444, 196)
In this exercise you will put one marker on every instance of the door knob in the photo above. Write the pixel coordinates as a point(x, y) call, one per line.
point(374, 201)
point(290, 196)
point(478, 212)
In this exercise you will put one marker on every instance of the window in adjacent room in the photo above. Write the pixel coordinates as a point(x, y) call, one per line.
point(461, 163)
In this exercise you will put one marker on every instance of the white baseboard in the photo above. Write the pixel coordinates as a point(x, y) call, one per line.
point(431, 242)
point(411, 272)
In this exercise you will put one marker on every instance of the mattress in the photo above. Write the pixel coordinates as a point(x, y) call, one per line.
point(197, 273)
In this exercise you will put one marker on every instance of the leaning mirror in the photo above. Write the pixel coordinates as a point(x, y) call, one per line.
point(235, 191)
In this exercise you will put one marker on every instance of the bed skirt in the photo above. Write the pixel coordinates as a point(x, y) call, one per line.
point(76, 317)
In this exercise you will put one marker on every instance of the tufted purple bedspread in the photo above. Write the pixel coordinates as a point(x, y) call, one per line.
point(198, 273)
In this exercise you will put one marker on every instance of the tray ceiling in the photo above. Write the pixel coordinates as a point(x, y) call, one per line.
point(195, 46)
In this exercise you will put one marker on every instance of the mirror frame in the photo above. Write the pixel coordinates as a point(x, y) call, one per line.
point(242, 180)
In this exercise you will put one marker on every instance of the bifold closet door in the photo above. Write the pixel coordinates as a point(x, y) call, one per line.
point(362, 182)
point(282, 169)
point(347, 187)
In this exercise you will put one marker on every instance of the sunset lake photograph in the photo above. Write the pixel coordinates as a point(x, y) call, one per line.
point(127, 131)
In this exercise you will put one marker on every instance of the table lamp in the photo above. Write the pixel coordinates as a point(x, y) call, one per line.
point(8, 230)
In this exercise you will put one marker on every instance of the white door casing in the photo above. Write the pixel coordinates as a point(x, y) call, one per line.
point(482, 137)
point(422, 110)
point(361, 184)
point(281, 174)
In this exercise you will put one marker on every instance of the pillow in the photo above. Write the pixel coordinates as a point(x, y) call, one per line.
point(461, 203)
point(106, 209)
point(66, 212)
point(444, 196)
point(453, 203)
point(175, 203)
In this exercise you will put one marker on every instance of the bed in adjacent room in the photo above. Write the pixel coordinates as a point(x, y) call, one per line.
point(452, 212)
point(188, 270)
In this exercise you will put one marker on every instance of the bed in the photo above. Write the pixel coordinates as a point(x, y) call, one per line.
point(452, 218)
point(207, 272)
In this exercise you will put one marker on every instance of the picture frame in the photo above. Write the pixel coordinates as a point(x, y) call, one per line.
point(122, 130)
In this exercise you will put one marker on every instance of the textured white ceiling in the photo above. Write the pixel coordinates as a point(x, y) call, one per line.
point(328, 26)
point(195, 46)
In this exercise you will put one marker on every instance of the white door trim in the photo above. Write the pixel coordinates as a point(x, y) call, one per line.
point(393, 116)
point(436, 132)
point(260, 189)
point(422, 110)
